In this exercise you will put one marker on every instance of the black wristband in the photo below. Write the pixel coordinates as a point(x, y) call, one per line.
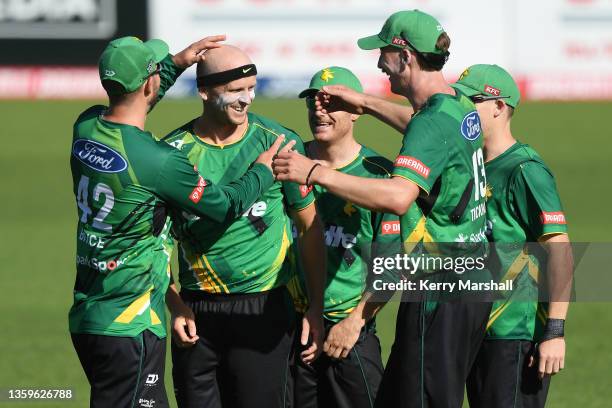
point(310, 174)
point(554, 328)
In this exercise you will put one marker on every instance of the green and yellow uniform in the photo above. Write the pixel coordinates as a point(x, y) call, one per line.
point(124, 182)
point(523, 206)
point(442, 154)
point(350, 231)
point(246, 255)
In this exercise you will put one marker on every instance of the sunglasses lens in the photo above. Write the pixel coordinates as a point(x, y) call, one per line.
point(310, 102)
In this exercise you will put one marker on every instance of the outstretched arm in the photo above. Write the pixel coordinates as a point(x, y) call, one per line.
point(394, 195)
point(338, 97)
point(180, 185)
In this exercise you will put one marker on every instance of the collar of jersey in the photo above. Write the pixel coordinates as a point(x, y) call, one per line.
point(505, 153)
point(198, 140)
point(352, 162)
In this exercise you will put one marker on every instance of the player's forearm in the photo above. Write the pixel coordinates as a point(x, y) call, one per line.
point(173, 299)
point(243, 193)
point(393, 114)
point(312, 254)
point(381, 195)
point(366, 309)
point(559, 275)
point(169, 73)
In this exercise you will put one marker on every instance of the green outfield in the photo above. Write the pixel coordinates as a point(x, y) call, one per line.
point(38, 227)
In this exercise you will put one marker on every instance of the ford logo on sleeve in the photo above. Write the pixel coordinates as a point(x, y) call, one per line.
point(98, 156)
point(470, 126)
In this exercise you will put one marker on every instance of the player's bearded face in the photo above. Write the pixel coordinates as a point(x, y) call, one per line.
point(390, 64)
point(232, 100)
point(328, 127)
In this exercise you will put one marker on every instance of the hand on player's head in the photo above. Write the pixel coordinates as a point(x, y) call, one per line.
point(340, 98)
point(195, 52)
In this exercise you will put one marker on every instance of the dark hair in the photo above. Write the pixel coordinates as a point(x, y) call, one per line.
point(430, 61)
point(115, 91)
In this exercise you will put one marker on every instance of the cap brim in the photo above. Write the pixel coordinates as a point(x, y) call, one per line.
point(371, 43)
point(466, 89)
point(308, 92)
point(159, 48)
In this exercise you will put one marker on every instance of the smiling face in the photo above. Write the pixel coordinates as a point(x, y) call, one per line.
point(329, 127)
point(230, 102)
point(390, 63)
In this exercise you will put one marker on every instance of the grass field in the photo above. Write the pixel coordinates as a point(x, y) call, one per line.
point(39, 221)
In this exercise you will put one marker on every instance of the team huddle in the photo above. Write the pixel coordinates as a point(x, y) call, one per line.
point(274, 305)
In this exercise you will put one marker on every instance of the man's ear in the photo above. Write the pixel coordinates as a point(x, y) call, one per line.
point(203, 92)
point(148, 86)
point(405, 55)
point(500, 107)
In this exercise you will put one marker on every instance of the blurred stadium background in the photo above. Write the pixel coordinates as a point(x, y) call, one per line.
point(559, 50)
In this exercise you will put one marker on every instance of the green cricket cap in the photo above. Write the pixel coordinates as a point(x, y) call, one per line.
point(489, 80)
point(332, 76)
point(420, 29)
point(130, 61)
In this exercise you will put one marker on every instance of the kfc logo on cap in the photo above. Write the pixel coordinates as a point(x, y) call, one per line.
point(491, 90)
point(398, 41)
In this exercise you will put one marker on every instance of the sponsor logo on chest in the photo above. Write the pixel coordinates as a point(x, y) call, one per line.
point(256, 210)
point(98, 156)
point(336, 237)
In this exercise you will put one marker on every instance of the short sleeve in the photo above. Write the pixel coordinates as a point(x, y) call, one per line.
point(424, 153)
point(297, 196)
point(536, 200)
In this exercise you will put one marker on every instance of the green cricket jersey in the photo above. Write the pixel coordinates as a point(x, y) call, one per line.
point(442, 153)
point(124, 182)
point(248, 254)
point(349, 232)
point(523, 205)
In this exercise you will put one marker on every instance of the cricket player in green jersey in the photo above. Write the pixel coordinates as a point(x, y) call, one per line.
point(441, 168)
point(524, 343)
point(125, 182)
point(238, 313)
point(349, 373)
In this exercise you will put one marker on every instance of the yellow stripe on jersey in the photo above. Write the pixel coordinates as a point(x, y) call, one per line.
point(496, 313)
point(278, 261)
point(214, 275)
point(136, 308)
point(418, 234)
point(201, 274)
point(154, 317)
